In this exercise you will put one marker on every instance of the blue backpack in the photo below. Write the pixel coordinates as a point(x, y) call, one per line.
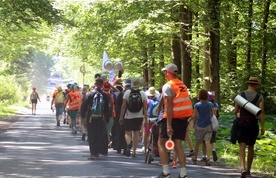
point(152, 108)
point(97, 105)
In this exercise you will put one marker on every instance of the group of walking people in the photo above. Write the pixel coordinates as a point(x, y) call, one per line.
point(115, 115)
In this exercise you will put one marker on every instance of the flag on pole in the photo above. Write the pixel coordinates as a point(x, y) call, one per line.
point(105, 59)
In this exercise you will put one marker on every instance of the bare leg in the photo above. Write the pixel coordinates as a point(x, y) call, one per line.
point(189, 141)
point(135, 140)
point(242, 154)
point(178, 148)
point(250, 157)
point(163, 151)
point(208, 149)
point(145, 140)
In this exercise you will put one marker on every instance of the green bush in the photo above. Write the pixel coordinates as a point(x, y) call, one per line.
point(10, 92)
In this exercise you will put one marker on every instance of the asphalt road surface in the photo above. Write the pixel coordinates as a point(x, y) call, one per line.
point(35, 147)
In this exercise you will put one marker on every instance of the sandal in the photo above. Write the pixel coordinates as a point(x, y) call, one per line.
point(193, 161)
point(92, 157)
point(208, 162)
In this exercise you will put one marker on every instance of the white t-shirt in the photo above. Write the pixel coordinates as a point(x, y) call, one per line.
point(167, 90)
point(130, 115)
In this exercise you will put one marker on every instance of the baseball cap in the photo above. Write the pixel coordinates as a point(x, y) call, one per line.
point(172, 68)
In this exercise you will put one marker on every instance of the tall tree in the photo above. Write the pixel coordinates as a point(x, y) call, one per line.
point(264, 40)
point(249, 38)
point(186, 37)
point(214, 6)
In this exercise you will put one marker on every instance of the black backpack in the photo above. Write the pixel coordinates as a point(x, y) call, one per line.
point(135, 102)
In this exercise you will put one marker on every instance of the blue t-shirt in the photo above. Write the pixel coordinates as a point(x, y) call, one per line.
point(204, 113)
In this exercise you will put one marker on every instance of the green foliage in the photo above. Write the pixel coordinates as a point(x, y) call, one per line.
point(10, 91)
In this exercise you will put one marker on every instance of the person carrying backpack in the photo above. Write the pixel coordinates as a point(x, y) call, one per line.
point(248, 127)
point(95, 108)
point(133, 113)
point(58, 99)
point(153, 102)
point(33, 100)
point(74, 100)
point(119, 141)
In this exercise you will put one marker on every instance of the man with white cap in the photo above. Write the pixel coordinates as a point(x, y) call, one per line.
point(177, 110)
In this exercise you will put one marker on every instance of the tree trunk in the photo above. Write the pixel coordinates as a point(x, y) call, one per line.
point(186, 61)
point(151, 64)
point(161, 64)
point(145, 66)
point(214, 6)
point(249, 38)
point(176, 52)
point(264, 40)
point(206, 65)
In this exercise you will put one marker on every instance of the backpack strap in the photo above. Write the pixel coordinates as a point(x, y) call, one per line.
point(254, 101)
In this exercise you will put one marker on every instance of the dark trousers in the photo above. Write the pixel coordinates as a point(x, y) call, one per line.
point(97, 136)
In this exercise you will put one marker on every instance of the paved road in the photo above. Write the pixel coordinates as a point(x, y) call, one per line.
point(35, 147)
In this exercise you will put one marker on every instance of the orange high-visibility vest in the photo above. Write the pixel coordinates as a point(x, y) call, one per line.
point(182, 104)
point(75, 100)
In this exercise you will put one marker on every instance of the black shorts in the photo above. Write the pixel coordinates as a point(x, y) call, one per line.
point(248, 135)
point(179, 127)
point(34, 101)
point(134, 124)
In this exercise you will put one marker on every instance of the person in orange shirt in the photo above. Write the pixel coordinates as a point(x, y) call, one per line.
point(177, 110)
point(74, 99)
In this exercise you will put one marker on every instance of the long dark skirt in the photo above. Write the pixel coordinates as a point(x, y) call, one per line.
point(118, 139)
point(97, 137)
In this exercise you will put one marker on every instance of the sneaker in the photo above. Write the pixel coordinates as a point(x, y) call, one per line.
point(58, 124)
point(162, 175)
point(191, 153)
point(83, 137)
point(174, 164)
point(203, 159)
point(215, 157)
point(243, 173)
point(183, 177)
point(64, 121)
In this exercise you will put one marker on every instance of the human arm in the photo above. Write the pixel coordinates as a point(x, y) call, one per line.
point(145, 112)
point(37, 96)
point(262, 116)
point(168, 100)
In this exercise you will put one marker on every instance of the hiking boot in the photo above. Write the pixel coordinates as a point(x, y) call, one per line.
point(174, 164)
point(83, 137)
point(162, 175)
point(215, 157)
